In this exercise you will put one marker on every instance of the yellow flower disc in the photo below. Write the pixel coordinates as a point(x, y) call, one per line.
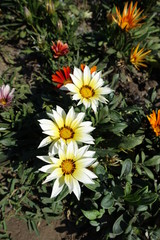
point(68, 166)
point(87, 92)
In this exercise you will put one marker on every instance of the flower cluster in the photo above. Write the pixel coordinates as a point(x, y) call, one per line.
point(65, 131)
point(130, 19)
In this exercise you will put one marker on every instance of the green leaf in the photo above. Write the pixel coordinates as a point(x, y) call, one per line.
point(142, 208)
point(117, 128)
point(142, 197)
point(130, 141)
point(94, 186)
point(128, 188)
point(93, 214)
point(153, 161)
point(107, 201)
point(111, 51)
point(119, 225)
point(126, 167)
point(148, 172)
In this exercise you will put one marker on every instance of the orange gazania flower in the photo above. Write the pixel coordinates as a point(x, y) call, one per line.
point(60, 49)
point(62, 77)
point(130, 17)
point(155, 122)
point(93, 69)
point(137, 58)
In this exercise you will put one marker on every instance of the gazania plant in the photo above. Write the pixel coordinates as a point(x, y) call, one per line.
point(80, 119)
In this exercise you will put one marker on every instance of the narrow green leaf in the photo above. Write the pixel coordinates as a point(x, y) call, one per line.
point(153, 161)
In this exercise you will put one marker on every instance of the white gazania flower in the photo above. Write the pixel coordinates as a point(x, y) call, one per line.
point(66, 128)
point(70, 167)
point(87, 88)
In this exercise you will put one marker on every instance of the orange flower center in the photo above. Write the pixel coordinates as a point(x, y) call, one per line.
point(125, 23)
point(66, 133)
point(67, 81)
point(157, 130)
point(68, 166)
point(3, 101)
point(87, 92)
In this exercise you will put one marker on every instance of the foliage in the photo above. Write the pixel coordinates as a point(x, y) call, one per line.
point(123, 202)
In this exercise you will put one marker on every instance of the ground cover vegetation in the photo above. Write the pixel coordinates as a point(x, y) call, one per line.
point(80, 115)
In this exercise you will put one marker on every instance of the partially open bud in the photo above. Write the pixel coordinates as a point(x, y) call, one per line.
point(109, 18)
point(50, 7)
point(60, 25)
point(28, 15)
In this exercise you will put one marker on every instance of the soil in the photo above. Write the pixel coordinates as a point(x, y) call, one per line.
point(58, 229)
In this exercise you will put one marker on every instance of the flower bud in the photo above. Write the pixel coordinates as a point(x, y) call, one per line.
point(28, 15)
point(50, 7)
point(60, 25)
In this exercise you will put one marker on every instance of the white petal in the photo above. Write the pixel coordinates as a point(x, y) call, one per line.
point(89, 173)
point(62, 153)
point(53, 149)
point(85, 162)
point(58, 119)
point(85, 129)
point(54, 133)
point(76, 122)
point(47, 168)
point(45, 159)
point(11, 93)
point(47, 124)
point(76, 97)
point(81, 151)
point(76, 188)
point(70, 151)
point(61, 112)
point(69, 182)
point(57, 173)
point(77, 73)
point(84, 137)
point(57, 187)
point(86, 102)
point(94, 107)
point(82, 177)
point(105, 90)
point(96, 81)
point(89, 154)
point(70, 117)
point(6, 91)
point(86, 75)
point(102, 99)
point(72, 88)
point(76, 81)
point(45, 142)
